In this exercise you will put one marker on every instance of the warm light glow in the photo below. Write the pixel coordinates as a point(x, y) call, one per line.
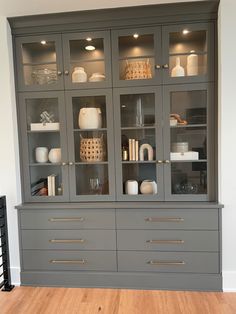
point(90, 48)
point(185, 31)
point(89, 39)
point(136, 35)
point(192, 51)
point(43, 42)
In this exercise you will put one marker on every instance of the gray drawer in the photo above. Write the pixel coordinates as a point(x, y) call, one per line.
point(192, 262)
point(167, 240)
point(167, 219)
point(69, 260)
point(69, 239)
point(68, 219)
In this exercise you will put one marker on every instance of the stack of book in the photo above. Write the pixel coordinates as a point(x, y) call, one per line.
point(133, 149)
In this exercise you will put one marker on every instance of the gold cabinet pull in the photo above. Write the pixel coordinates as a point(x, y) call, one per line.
point(165, 241)
point(69, 219)
point(165, 66)
point(67, 240)
point(164, 219)
point(166, 263)
point(76, 261)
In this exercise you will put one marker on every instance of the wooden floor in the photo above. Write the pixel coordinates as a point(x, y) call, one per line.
point(29, 300)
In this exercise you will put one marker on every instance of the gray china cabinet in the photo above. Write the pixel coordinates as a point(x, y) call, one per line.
point(117, 114)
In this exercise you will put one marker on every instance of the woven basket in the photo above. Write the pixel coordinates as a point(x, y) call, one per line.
point(137, 70)
point(92, 149)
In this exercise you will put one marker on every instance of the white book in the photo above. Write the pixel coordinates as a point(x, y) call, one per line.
point(50, 185)
point(136, 151)
point(53, 184)
point(130, 149)
point(133, 149)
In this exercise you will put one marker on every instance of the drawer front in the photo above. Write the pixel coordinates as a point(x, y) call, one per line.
point(69, 260)
point(69, 239)
point(68, 219)
point(167, 219)
point(167, 240)
point(193, 262)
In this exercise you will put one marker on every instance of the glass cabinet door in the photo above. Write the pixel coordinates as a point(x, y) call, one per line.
point(136, 57)
point(39, 63)
point(87, 60)
point(139, 144)
point(188, 123)
point(188, 54)
point(44, 152)
point(91, 155)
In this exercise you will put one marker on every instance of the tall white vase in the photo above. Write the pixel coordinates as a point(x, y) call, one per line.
point(90, 118)
point(131, 187)
point(178, 70)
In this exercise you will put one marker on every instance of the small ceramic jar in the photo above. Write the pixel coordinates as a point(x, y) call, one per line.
point(54, 155)
point(90, 118)
point(41, 154)
point(79, 75)
point(148, 187)
point(131, 187)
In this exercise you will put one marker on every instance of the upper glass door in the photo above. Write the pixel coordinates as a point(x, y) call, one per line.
point(87, 60)
point(136, 56)
point(188, 127)
point(188, 53)
point(39, 63)
point(91, 150)
point(44, 146)
point(139, 144)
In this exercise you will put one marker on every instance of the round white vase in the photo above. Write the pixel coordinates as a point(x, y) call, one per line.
point(90, 118)
point(54, 155)
point(148, 187)
point(131, 187)
point(41, 154)
point(79, 75)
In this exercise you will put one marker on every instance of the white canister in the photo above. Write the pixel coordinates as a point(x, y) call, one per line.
point(192, 65)
point(131, 187)
point(79, 75)
point(90, 118)
point(54, 155)
point(41, 154)
point(148, 187)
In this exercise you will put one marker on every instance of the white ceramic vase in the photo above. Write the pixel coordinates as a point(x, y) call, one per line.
point(148, 187)
point(131, 187)
point(54, 155)
point(79, 75)
point(90, 118)
point(178, 70)
point(192, 65)
point(41, 154)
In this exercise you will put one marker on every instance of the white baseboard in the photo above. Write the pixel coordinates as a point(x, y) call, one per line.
point(229, 281)
point(15, 276)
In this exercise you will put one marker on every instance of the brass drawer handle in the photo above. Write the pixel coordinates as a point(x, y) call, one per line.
point(165, 241)
point(74, 219)
point(164, 219)
point(67, 240)
point(166, 263)
point(78, 261)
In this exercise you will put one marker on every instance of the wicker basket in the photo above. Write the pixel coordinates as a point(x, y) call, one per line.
point(92, 149)
point(137, 70)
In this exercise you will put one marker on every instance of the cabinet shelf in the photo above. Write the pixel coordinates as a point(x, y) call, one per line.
point(188, 53)
point(138, 127)
point(199, 160)
point(39, 63)
point(137, 57)
point(138, 161)
point(87, 60)
point(90, 130)
point(43, 131)
point(91, 163)
point(204, 125)
point(39, 164)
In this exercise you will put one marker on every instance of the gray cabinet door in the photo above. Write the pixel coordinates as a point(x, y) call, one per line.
point(138, 118)
point(189, 144)
point(188, 53)
point(87, 60)
point(136, 57)
point(45, 174)
point(90, 144)
point(39, 63)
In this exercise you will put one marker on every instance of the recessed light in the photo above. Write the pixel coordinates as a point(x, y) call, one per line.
point(185, 31)
point(136, 35)
point(89, 39)
point(43, 42)
point(123, 106)
point(192, 51)
point(90, 48)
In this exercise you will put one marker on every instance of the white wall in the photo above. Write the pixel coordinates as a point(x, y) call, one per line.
point(9, 169)
point(227, 114)
point(9, 165)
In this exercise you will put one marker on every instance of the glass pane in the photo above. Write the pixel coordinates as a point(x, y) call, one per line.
point(39, 63)
point(189, 178)
point(137, 110)
point(89, 112)
point(188, 121)
point(87, 60)
point(92, 179)
point(188, 53)
point(136, 54)
point(139, 178)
